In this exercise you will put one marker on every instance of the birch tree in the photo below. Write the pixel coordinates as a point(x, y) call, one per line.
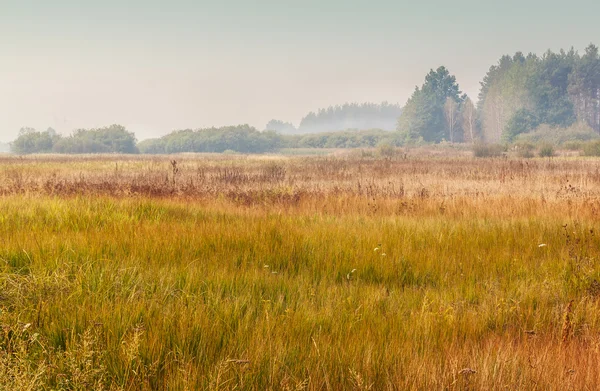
point(469, 122)
point(451, 115)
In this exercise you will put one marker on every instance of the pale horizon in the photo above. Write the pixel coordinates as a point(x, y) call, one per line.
point(154, 67)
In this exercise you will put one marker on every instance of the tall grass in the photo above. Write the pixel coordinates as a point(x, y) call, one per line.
point(489, 278)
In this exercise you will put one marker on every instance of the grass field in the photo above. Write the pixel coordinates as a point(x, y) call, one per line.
point(413, 272)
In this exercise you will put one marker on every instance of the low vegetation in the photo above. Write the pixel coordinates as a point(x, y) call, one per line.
point(488, 150)
point(591, 148)
point(547, 150)
point(344, 139)
point(557, 136)
point(243, 138)
point(412, 270)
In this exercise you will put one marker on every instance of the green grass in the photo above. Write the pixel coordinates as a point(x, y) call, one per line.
point(164, 294)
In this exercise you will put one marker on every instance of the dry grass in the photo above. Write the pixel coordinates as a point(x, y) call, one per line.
point(223, 273)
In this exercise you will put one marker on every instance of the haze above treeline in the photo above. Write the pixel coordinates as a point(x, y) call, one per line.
point(156, 66)
point(555, 95)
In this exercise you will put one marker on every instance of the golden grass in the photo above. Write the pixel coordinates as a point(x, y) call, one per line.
point(223, 273)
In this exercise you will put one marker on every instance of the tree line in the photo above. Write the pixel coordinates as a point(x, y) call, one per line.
point(523, 92)
point(521, 95)
point(344, 139)
point(242, 138)
point(554, 97)
point(110, 139)
point(246, 139)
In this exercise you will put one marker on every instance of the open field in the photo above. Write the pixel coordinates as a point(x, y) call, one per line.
point(214, 272)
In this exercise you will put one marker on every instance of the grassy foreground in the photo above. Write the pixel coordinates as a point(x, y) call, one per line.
point(465, 279)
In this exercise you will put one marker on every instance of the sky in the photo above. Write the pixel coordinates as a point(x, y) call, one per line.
point(156, 66)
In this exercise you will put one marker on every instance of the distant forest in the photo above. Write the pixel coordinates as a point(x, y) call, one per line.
point(347, 116)
point(551, 98)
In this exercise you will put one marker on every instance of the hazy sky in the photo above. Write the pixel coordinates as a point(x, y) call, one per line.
point(155, 66)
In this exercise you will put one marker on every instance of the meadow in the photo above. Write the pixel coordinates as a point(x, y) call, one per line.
point(420, 270)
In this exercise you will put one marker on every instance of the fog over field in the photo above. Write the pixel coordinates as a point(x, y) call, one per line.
point(154, 67)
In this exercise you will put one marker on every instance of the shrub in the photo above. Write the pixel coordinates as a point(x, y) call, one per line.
point(546, 150)
point(344, 139)
point(365, 154)
point(487, 150)
point(109, 139)
point(574, 145)
point(152, 146)
point(525, 150)
point(521, 122)
point(559, 136)
point(592, 148)
point(32, 141)
point(386, 150)
point(242, 139)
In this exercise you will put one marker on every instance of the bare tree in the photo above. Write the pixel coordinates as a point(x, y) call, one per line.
point(469, 121)
point(451, 114)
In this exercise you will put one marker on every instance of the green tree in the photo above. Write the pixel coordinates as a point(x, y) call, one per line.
point(584, 88)
point(523, 121)
point(548, 88)
point(423, 116)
